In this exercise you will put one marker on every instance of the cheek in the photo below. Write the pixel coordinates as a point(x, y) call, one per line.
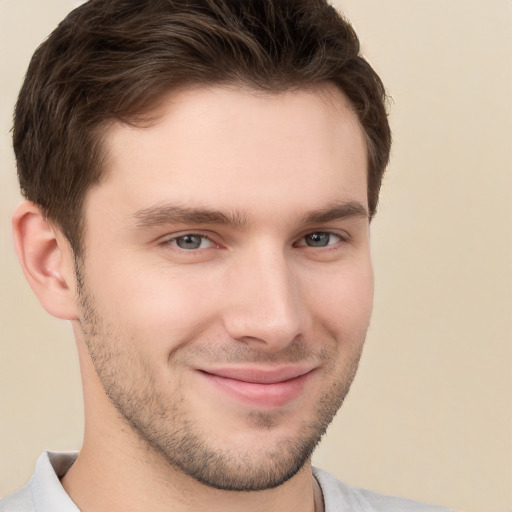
point(344, 301)
point(166, 306)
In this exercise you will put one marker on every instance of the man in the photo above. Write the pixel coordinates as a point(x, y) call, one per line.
point(200, 177)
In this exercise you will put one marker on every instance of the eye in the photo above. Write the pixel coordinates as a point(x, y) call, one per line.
point(190, 242)
point(319, 239)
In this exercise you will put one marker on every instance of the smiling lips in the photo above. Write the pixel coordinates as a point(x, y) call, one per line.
point(256, 387)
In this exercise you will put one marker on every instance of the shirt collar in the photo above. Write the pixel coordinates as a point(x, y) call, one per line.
point(45, 488)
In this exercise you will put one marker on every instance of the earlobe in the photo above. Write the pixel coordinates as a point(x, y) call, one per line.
point(46, 260)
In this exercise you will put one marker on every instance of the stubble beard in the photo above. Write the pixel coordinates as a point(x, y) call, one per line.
point(162, 423)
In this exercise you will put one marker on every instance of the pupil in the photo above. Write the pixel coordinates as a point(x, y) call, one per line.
point(318, 239)
point(189, 242)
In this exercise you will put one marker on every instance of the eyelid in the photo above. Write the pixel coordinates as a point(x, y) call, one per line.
point(168, 239)
point(343, 236)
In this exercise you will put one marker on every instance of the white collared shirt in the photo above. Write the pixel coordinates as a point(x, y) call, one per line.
point(44, 492)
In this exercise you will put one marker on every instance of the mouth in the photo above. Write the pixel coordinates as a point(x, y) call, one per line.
point(260, 387)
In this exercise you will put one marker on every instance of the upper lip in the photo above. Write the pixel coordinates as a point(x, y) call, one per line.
point(260, 374)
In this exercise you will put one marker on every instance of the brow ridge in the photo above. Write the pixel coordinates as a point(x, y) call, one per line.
point(336, 211)
point(178, 214)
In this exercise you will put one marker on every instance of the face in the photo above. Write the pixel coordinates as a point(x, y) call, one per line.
point(226, 284)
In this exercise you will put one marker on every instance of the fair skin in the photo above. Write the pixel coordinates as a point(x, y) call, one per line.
point(222, 300)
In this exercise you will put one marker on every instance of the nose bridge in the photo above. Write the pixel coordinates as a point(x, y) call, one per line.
point(266, 304)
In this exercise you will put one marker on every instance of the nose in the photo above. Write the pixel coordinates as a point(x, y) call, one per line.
point(266, 306)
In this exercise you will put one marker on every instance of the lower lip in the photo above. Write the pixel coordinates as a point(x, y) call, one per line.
point(260, 395)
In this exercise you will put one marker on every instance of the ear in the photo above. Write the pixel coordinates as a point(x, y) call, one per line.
point(46, 259)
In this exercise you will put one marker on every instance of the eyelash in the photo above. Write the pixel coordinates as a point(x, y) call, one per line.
point(339, 239)
point(170, 241)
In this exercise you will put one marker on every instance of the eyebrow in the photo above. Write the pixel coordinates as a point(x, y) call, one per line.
point(177, 214)
point(336, 211)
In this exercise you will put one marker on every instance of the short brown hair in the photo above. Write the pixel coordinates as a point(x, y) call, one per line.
point(112, 59)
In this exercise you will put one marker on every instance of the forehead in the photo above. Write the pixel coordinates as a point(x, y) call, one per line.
point(239, 147)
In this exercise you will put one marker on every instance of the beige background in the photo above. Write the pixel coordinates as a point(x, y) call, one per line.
point(429, 416)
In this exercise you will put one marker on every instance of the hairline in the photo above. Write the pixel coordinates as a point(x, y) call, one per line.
point(148, 117)
point(145, 118)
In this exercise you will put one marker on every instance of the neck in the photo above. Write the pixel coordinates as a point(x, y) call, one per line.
point(106, 478)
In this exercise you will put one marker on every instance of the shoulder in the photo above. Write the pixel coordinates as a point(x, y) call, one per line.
point(339, 497)
point(43, 492)
point(19, 501)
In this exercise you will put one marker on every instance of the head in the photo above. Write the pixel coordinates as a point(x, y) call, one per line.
point(114, 60)
point(213, 167)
